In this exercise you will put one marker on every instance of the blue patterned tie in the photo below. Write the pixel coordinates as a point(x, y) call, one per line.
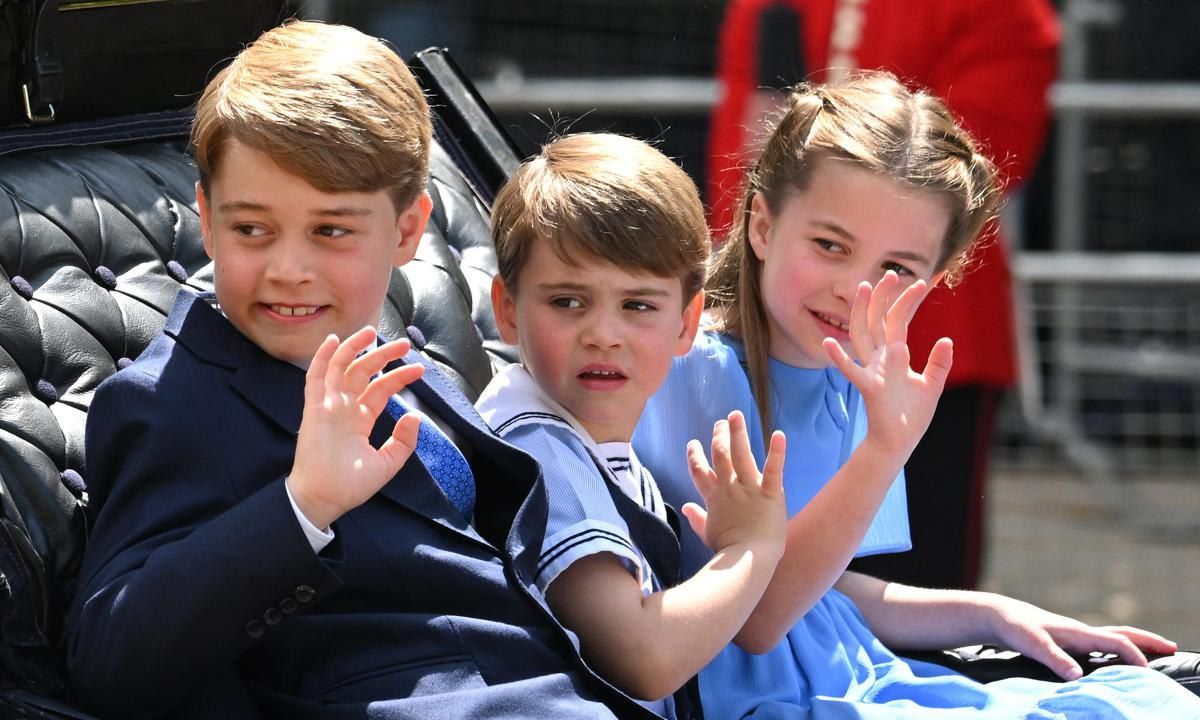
point(443, 460)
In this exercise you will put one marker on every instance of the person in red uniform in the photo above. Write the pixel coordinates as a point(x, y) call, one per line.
point(993, 62)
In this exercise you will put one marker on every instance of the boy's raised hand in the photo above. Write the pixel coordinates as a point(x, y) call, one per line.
point(336, 469)
point(899, 402)
point(742, 506)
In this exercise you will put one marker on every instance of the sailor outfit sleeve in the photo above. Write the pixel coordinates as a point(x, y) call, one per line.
point(583, 519)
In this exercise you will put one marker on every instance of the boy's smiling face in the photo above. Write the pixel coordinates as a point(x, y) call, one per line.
point(294, 264)
point(598, 339)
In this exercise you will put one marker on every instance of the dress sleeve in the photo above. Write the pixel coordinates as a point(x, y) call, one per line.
point(702, 387)
point(583, 520)
point(889, 531)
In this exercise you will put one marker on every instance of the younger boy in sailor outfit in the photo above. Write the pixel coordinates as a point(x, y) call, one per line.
point(601, 242)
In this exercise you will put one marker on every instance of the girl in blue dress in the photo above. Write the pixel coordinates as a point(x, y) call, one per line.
point(861, 184)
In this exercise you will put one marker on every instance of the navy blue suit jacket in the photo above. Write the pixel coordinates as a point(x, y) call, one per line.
point(200, 592)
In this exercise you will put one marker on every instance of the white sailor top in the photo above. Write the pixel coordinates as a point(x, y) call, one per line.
point(601, 499)
point(580, 476)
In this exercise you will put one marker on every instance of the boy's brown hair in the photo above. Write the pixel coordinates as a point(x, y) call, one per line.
point(327, 103)
point(603, 196)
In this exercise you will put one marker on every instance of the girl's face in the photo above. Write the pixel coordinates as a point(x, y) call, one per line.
point(848, 226)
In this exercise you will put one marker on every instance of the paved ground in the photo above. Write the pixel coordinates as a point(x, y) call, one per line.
point(1053, 541)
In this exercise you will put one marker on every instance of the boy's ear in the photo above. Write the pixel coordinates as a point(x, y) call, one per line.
point(410, 225)
point(504, 308)
point(205, 220)
point(691, 323)
point(937, 279)
point(758, 229)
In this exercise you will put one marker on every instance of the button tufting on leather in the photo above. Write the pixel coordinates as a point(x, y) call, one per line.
point(176, 271)
point(272, 617)
point(288, 606)
point(255, 629)
point(22, 286)
point(417, 337)
point(73, 482)
point(123, 363)
point(106, 278)
point(45, 391)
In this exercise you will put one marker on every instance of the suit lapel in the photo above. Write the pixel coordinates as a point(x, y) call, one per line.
point(437, 390)
point(510, 508)
point(413, 487)
point(273, 387)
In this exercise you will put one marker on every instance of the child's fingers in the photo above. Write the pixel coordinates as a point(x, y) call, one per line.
point(772, 474)
point(744, 466)
point(937, 367)
point(365, 366)
point(842, 360)
point(881, 301)
point(722, 462)
point(314, 381)
point(1147, 641)
point(1047, 652)
point(703, 476)
point(895, 360)
point(900, 316)
point(400, 446)
point(1118, 644)
point(860, 334)
point(388, 384)
point(697, 517)
point(335, 374)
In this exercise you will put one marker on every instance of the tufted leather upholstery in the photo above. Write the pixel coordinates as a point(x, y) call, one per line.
point(95, 242)
point(93, 246)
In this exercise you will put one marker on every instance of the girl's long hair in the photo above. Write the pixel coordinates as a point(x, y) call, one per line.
point(875, 122)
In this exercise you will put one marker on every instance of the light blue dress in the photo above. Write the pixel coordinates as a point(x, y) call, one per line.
point(831, 665)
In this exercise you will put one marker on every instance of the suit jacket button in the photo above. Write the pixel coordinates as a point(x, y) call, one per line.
point(255, 629)
point(305, 593)
point(288, 606)
point(272, 617)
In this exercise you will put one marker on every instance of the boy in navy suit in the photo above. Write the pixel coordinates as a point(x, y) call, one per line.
point(289, 517)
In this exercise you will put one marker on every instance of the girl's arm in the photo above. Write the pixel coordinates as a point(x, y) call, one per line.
point(823, 536)
point(821, 540)
point(649, 646)
point(916, 618)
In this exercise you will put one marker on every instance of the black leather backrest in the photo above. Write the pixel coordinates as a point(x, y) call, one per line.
point(94, 245)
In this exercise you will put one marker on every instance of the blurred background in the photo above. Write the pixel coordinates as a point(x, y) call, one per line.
point(1093, 502)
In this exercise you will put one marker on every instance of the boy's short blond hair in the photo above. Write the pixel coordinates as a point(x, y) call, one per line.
point(327, 103)
point(607, 197)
